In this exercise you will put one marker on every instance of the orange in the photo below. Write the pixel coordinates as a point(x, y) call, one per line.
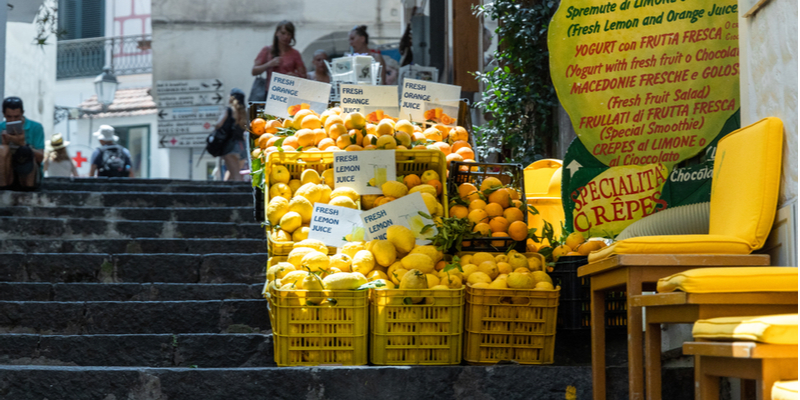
point(440, 265)
point(513, 193)
point(531, 246)
point(258, 126)
point(420, 147)
point(336, 130)
point(419, 136)
point(516, 204)
point(368, 140)
point(483, 228)
point(288, 148)
point(560, 251)
point(518, 231)
point(272, 140)
point(291, 141)
point(468, 191)
point(513, 214)
point(499, 243)
point(319, 134)
point(257, 154)
point(287, 123)
point(466, 152)
point(460, 145)
point(477, 216)
point(499, 224)
point(443, 147)
point(262, 141)
point(370, 147)
point(459, 211)
point(273, 126)
point(353, 147)
point(325, 143)
point(438, 185)
point(358, 134)
point(270, 149)
point(453, 157)
point(477, 204)
point(459, 133)
point(443, 129)
point(343, 141)
point(501, 197)
point(305, 137)
point(333, 119)
point(433, 134)
point(412, 180)
point(494, 210)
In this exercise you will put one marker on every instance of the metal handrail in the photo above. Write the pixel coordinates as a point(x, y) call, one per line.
point(125, 55)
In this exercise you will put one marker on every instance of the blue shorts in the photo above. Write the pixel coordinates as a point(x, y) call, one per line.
point(238, 147)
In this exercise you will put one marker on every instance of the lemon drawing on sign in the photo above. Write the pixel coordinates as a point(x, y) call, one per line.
point(355, 235)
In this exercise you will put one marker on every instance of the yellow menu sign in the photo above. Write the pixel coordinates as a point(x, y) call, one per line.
point(646, 81)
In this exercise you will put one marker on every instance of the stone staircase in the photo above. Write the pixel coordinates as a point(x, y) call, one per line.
point(118, 289)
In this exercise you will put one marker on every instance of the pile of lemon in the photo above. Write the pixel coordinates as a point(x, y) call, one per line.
point(575, 244)
point(505, 271)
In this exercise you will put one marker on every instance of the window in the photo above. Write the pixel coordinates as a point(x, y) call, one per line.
point(137, 140)
point(82, 19)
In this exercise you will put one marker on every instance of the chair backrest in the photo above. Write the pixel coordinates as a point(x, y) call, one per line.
point(744, 190)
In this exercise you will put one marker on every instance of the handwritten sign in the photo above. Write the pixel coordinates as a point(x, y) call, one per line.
point(403, 211)
point(646, 82)
point(364, 171)
point(375, 102)
point(335, 225)
point(428, 101)
point(289, 91)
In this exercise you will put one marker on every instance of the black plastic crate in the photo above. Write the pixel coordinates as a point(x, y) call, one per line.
point(574, 310)
point(508, 174)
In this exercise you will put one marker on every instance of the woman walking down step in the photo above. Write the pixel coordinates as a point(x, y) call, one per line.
point(58, 162)
point(234, 123)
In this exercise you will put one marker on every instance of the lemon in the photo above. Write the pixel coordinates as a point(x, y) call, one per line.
point(300, 234)
point(327, 177)
point(279, 270)
point(279, 174)
point(343, 201)
point(280, 235)
point(397, 275)
point(574, 240)
point(478, 276)
point(522, 270)
point(363, 262)
point(294, 278)
point(404, 125)
point(344, 281)
point(424, 188)
point(386, 142)
point(385, 128)
point(394, 189)
point(376, 274)
point(504, 268)
point(330, 272)
point(291, 221)
point(302, 206)
point(468, 269)
point(401, 237)
point(478, 258)
point(541, 276)
point(294, 184)
point(419, 262)
point(429, 175)
point(433, 280)
point(431, 203)
point(325, 193)
point(480, 285)
point(517, 260)
point(315, 261)
point(310, 176)
point(560, 251)
point(439, 287)
point(383, 284)
point(280, 190)
point(466, 259)
point(313, 244)
point(341, 261)
point(518, 280)
point(310, 191)
point(489, 268)
point(429, 251)
point(384, 252)
point(357, 120)
point(499, 284)
point(414, 280)
point(345, 191)
point(534, 263)
point(313, 282)
point(544, 286)
point(276, 208)
point(368, 201)
point(296, 255)
point(351, 248)
point(452, 281)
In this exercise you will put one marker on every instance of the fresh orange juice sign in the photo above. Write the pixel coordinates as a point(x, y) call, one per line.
point(646, 81)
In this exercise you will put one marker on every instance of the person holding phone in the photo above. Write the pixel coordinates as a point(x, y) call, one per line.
point(21, 148)
point(281, 57)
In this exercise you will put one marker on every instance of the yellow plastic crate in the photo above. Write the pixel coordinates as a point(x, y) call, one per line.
point(416, 334)
point(419, 161)
point(499, 330)
point(334, 333)
point(527, 255)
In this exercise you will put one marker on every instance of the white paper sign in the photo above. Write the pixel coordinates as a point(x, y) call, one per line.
point(428, 101)
point(287, 91)
point(374, 102)
point(364, 171)
point(332, 225)
point(403, 211)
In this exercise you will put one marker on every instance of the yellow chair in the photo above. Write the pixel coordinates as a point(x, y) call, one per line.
point(744, 195)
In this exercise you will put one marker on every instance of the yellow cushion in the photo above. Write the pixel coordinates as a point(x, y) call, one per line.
point(674, 244)
point(744, 189)
point(732, 280)
point(772, 329)
point(784, 390)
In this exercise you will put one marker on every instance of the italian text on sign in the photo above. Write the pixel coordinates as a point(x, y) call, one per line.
point(188, 86)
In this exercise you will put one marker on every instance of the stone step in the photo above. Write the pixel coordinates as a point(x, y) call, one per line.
point(143, 181)
point(390, 383)
point(68, 228)
point(40, 291)
point(192, 214)
point(125, 199)
point(140, 245)
point(138, 268)
point(142, 187)
point(133, 317)
point(201, 350)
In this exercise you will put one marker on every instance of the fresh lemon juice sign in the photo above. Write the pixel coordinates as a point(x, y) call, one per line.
point(403, 211)
point(335, 225)
point(364, 171)
point(646, 81)
point(375, 102)
point(288, 94)
point(427, 101)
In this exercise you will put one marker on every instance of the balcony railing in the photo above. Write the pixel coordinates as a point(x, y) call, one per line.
point(126, 55)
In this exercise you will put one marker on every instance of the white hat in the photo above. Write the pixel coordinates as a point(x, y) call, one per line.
point(57, 142)
point(106, 133)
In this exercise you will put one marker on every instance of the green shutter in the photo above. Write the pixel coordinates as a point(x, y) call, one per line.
point(81, 19)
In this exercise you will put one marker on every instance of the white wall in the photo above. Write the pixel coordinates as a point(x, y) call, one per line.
point(30, 73)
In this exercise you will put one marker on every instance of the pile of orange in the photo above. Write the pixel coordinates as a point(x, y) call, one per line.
point(494, 210)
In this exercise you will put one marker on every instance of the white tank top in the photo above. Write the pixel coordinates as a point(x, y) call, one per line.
point(59, 168)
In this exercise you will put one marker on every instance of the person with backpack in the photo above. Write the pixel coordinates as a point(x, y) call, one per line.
point(110, 159)
point(230, 130)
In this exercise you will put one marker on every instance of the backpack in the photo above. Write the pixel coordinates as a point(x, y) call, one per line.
point(112, 162)
point(216, 142)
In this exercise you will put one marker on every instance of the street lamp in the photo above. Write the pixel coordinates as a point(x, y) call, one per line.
point(105, 86)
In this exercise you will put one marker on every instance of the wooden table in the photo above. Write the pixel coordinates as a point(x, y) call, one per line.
point(764, 363)
point(687, 308)
point(636, 272)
